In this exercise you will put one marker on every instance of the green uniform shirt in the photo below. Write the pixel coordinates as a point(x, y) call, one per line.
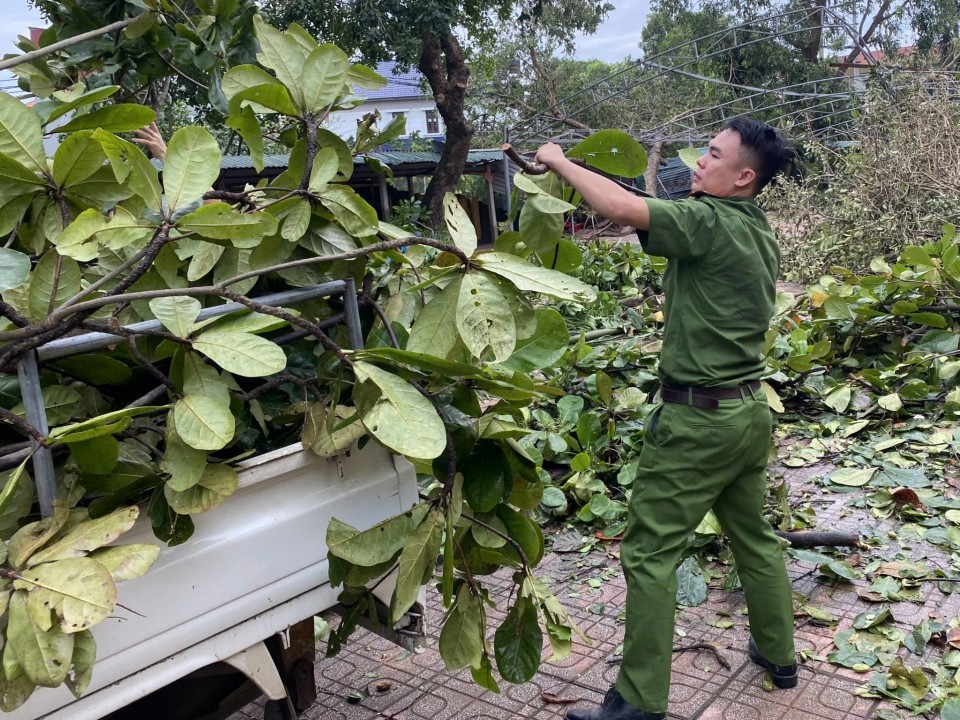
point(720, 287)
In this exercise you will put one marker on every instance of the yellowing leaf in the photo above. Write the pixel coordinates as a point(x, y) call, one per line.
point(126, 562)
point(84, 657)
point(218, 482)
point(203, 422)
point(44, 656)
point(242, 353)
point(459, 225)
point(484, 319)
point(79, 591)
point(176, 313)
point(401, 418)
point(88, 536)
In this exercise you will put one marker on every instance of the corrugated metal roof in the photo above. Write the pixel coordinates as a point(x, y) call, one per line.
point(391, 158)
point(407, 84)
point(243, 161)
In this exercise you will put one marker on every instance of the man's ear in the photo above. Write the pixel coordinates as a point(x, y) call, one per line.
point(747, 176)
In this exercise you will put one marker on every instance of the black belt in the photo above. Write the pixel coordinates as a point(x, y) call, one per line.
point(706, 397)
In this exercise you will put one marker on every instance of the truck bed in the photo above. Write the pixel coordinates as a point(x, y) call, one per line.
point(255, 565)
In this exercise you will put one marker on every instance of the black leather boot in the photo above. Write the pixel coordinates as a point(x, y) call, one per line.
point(783, 676)
point(614, 707)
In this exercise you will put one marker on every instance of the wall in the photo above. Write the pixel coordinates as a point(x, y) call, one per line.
point(344, 122)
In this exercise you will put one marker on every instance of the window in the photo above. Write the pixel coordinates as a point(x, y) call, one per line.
point(433, 122)
point(395, 115)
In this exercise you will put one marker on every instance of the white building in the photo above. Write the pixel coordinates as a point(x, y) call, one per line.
point(403, 95)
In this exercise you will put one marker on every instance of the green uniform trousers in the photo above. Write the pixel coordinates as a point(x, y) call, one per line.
point(695, 459)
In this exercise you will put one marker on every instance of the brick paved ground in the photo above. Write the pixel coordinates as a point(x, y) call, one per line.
point(420, 688)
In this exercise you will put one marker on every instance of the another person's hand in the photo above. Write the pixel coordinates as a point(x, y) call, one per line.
point(149, 136)
point(550, 154)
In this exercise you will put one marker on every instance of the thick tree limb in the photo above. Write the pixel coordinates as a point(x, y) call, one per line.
point(809, 538)
point(69, 42)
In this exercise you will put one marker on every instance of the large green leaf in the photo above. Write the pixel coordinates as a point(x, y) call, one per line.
point(530, 278)
point(20, 134)
point(549, 204)
point(201, 378)
point(81, 240)
point(82, 662)
point(97, 455)
point(459, 225)
point(44, 655)
point(401, 418)
point(242, 353)
point(219, 221)
point(218, 482)
point(88, 536)
point(16, 498)
point(461, 638)
point(484, 320)
point(322, 432)
point(541, 231)
point(612, 151)
point(126, 562)
point(267, 98)
point(88, 98)
point(417, 562)
point(105, 424)
point(324, 75)
point(177, 313)
point(376, 545)
point(113, 118)
point(52, 268)
point(184, 464)
point(282, 53)
point(191, 166)
point(297, 221)
point(14, 269)
point(33, 536)
point(566, 257)
point(244, 77)
point(131, 166)
point(691, 585)
point(14, 174)
point(79, 591)
point(518, 642)
point(363, 77)
point(326, 164)
point(203, 422)
point(353, 212)
point(15, 687)
point(544, 347)
point(248, 127)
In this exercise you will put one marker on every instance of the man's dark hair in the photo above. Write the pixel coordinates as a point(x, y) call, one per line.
point(764, 145)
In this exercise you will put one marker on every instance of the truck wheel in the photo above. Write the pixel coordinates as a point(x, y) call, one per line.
point(280, 710)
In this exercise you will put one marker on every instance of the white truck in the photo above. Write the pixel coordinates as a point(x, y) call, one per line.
point(229, 614)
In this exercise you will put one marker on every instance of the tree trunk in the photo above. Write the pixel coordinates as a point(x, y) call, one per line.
point(443, 64)
point(653, 167)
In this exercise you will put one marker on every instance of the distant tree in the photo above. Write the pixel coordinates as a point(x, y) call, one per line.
point(424, 35)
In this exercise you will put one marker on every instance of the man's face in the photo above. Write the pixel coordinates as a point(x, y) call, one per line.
point(721, 170)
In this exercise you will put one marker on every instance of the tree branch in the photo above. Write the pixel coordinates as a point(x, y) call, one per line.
point(22, 425)
point(63, 44)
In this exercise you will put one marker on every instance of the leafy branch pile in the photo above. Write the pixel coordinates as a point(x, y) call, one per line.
point(863, 369)
point(896, 186)
point(97, 241)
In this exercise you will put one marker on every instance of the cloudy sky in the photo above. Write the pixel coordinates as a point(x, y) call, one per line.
point(616, 38)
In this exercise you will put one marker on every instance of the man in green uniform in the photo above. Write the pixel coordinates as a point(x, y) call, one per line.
point(707, 444)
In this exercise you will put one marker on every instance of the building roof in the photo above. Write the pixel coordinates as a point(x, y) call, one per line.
point(236, 169)
point(407, 84)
